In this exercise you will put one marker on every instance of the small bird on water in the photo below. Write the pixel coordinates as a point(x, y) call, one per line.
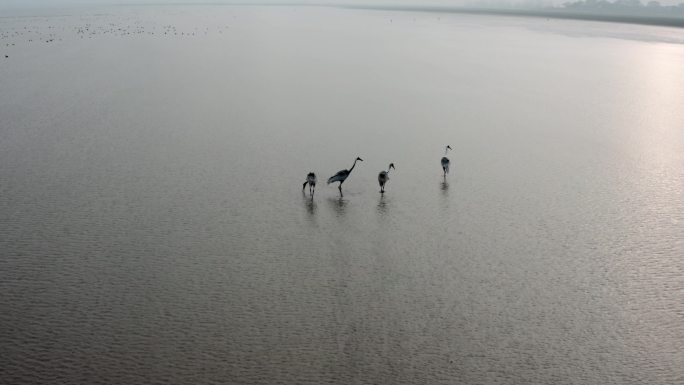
point(311, 180)
point(445, 161)
point(383, 177)
point(342, 175)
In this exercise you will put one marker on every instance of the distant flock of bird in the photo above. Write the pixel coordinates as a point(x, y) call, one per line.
point(383, 176)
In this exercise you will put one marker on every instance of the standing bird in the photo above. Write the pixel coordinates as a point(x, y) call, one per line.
point(445, 161)
point(341, 176)
point(311, 180)
point(383, 177)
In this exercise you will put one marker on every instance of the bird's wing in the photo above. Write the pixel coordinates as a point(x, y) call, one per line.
point(341, 175)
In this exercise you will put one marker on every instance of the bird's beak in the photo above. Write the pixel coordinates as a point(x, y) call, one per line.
point(361, 159)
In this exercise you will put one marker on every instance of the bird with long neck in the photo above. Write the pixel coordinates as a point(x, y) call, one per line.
point(311, 180)
point(342, 175)
point(445, 161)
point(383, 177)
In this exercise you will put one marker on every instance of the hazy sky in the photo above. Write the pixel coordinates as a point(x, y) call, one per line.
point(57, 3)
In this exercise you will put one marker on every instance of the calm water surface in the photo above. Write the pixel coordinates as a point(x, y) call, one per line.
point(153, 230)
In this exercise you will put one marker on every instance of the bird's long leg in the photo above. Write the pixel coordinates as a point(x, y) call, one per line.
point(304, 185)
point(340, 188)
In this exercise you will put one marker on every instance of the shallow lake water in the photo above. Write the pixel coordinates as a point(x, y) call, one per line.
point(153, 227)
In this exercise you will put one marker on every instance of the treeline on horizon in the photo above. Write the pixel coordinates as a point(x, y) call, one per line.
point(620, 11)
point(603, 6)
point(624, 7)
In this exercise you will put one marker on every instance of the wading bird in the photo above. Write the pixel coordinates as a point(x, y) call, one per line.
point(383, 177)
point(445, 161)
point(311, 180)
point(341, 176)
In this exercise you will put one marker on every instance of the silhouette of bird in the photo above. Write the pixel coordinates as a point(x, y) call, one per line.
point(342, 175)
point(311, 180)
point(445, 161)
point(383, 177)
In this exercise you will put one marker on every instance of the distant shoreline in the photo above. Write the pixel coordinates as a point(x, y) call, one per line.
point(547, 13)
point(664, 21)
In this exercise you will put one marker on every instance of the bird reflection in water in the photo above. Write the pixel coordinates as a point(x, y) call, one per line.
point(444, 187)
point(383, 205)
point(309, 204)
point(339, 205)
